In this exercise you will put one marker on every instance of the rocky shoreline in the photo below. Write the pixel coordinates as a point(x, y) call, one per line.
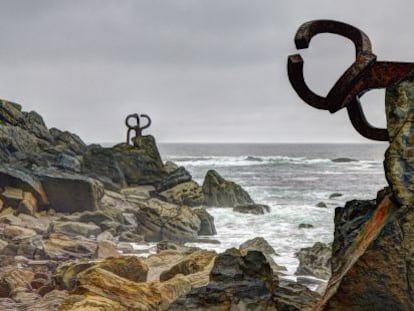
point(70, 214)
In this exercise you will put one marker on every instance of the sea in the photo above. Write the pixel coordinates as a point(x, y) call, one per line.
point(292, 179)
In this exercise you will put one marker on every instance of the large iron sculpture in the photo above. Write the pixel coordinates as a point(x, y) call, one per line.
point(137, 128)
point(364, 74)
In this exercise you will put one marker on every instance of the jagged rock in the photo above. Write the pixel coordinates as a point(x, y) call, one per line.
point(3, 245)
point(100, 163)
point(61, 247)
point(193, 263)
point(235, 281)
point(68, 140)
point(322, 205)
point(315, 261)
point(76, 228)
point(141, 166)
point(220, 192)
point(207, 226)
point(158, 220)
point(12, 278)
point(179, 176)
point(188, 193)
point(30, 246)
point(50, 301)
point(381, 278)
point(41, 225)
point(69, 193)
point(255, 209)
point(21, 179)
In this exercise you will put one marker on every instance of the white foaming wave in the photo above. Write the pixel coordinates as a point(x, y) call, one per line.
point(215, 161)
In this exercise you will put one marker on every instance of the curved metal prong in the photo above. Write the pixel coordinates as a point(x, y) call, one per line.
point(148, 121)
point(295, 73)
point(361, 124)
point(310, 29)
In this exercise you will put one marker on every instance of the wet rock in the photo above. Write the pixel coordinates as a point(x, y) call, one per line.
point(168, 245)
point(207, 226)
point(193, 263)
point(315, 261)
point(76, 228)
point(335, 195)
point(255, 209)
point(158, 220)
point(305, 226)
point(60, 189)
point(291, 296)
point(220, 192)
point(344, 160)
point(179, 176)
point(131, 237)
point(68, 141)
point(322, 205)
point(188, 193)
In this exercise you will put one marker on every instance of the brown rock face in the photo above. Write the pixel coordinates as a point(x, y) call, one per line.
point(383, 277)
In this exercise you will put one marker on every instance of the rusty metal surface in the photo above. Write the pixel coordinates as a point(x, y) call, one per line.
point(137, 128)
point(364, 74)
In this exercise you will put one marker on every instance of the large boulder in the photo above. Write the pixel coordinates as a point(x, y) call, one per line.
point(315, 261)
point(69, 193)
point(158, 220)
point(255, 209)
point(141, 164)
point(220, 192)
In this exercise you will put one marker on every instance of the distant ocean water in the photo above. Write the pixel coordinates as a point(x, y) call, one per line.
point(291, 179)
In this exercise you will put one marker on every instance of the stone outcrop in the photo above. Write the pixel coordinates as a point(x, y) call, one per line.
point(255, 209)
point(386, 265)
point(207, 226)
point(315, 261)
point(188, 193)
point(220, 192)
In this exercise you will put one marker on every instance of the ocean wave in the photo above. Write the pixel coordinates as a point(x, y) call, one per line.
point(217, 161)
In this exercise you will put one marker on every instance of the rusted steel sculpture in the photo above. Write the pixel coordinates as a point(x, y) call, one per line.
point(364, 74)
point(137, 126)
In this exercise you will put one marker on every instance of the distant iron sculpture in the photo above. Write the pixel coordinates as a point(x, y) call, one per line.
point(137, 126)
point(364, 74)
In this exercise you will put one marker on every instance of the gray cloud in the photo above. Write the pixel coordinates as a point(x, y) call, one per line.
point(205, 70)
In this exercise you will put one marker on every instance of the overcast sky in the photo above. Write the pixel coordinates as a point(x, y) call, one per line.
point(204, 70)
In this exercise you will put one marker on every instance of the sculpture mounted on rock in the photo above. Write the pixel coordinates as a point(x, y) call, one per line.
point(137, 127)
point(395, 210)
